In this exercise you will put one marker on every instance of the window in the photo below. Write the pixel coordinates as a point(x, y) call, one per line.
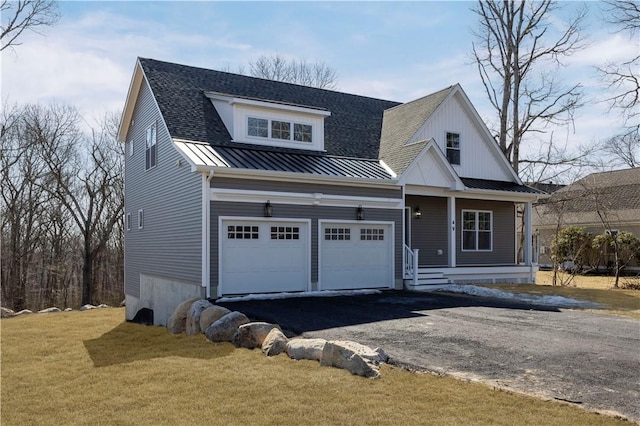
point(453, 148)
point(140, 219)
point(131, 148)
point(258, 127)
point(302, 132)
point(343, 234)
point(151, 152)
point(285, 233)
point(128, 221)
point(242, 232)
point(367, 234)
point(280, 130)
point(476, 230)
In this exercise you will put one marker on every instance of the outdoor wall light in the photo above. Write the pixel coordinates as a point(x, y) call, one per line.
point(360, 213)
point(268, 209)
point(417, 213)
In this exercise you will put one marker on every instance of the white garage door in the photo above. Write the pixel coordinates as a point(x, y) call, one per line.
point(264, 256)
point(355, 255)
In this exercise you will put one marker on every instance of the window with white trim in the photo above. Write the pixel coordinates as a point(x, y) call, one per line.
point(128, 221)
point(337, 234)
point(453, 148)
point(140, 219)
point(151, 147)
point(371, 234)
point(279, 130)
point(477, 230)
point(285, 233)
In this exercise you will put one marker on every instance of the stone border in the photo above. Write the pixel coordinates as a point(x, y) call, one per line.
point(9, 313)
point(221, 325)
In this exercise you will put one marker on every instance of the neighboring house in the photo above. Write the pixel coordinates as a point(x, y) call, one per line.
point(237, 185)
point(598, 203)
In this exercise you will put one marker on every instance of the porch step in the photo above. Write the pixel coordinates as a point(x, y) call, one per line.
point(425, 279)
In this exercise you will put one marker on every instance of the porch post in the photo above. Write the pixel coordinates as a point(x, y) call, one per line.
point(527, 253)
point(451, 230)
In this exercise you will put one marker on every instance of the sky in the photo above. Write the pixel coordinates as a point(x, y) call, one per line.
point(397, 51)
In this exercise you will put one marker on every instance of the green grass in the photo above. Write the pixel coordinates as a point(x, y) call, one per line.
point(94, 368)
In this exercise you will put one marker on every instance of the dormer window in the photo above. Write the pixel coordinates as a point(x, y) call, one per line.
point(279, 130)
point(271, 123)
point(453, 148)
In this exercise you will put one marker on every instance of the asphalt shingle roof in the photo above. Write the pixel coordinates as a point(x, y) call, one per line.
point(401, 123)
point(615, 193)
point(352, 130)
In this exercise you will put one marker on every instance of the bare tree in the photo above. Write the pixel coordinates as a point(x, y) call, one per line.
point(517, 56)
point(623, 149)
point(623, 79)
point(21, 15)
point(277, 67)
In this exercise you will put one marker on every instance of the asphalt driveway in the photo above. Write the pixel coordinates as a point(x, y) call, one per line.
point(586, 358)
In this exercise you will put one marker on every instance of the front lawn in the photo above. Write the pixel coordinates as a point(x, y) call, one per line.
point(93, 368)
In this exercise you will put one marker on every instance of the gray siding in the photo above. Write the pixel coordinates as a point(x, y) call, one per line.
point(302, 212)
point(169, 245)
point(429, 233)
point(503, 252)
point(264, 185)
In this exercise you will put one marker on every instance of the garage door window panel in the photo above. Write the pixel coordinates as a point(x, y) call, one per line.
point(242, 232)
point(372, 234)
point(285, 233)
point(337, 234)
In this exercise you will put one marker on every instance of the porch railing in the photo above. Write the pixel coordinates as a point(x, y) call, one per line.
point(411, 264)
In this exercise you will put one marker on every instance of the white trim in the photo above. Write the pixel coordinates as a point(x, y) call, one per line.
point(141, 219)
point(432, 146)
point(471, 194)
point(476, 230)
point(152, 130)
point(451, 231)
point(266, 104)
point(459, 149)
point(206, 234)
point(300, 198)
point(127, 221)
point(392, 243)
point(261, 220)
point(388, 169)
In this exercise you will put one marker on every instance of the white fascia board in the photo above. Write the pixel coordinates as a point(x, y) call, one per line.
point(266, 104)
point(388, 169)
point(472, 194)
point(130, 102)
point(306, 199)
point(302, 177)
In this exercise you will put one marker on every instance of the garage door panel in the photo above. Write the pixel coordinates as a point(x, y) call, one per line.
point(356, 256)
point(264, 256)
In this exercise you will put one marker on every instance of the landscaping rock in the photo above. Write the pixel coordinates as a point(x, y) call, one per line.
point(24, 312)
point(210, 315)
point(306, 349)
point(87, 307)
point(7, 313)
point(123, 303)
point(68, 310)
point(192, 326)
point(102, 306)
point(353, 357)
point(224, 329)
point(178, 320)
point(49, 310)
point(252, 335)
point(275, 343)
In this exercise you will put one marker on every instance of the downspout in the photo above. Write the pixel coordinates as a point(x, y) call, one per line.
point(206, 233)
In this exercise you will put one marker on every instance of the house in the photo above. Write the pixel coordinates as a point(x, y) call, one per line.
point(237, 185)
point(598, 203)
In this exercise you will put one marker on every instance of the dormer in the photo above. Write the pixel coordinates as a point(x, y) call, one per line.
point(270, 123)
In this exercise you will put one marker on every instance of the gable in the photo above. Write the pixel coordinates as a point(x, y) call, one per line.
point(431, 168)
point(480, 156)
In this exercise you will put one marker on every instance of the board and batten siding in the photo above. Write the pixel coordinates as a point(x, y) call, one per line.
point(169, 245)
point(477, 159)
point(504, 227)
point(288, 211)
point(429, 233)
point(275, 186)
